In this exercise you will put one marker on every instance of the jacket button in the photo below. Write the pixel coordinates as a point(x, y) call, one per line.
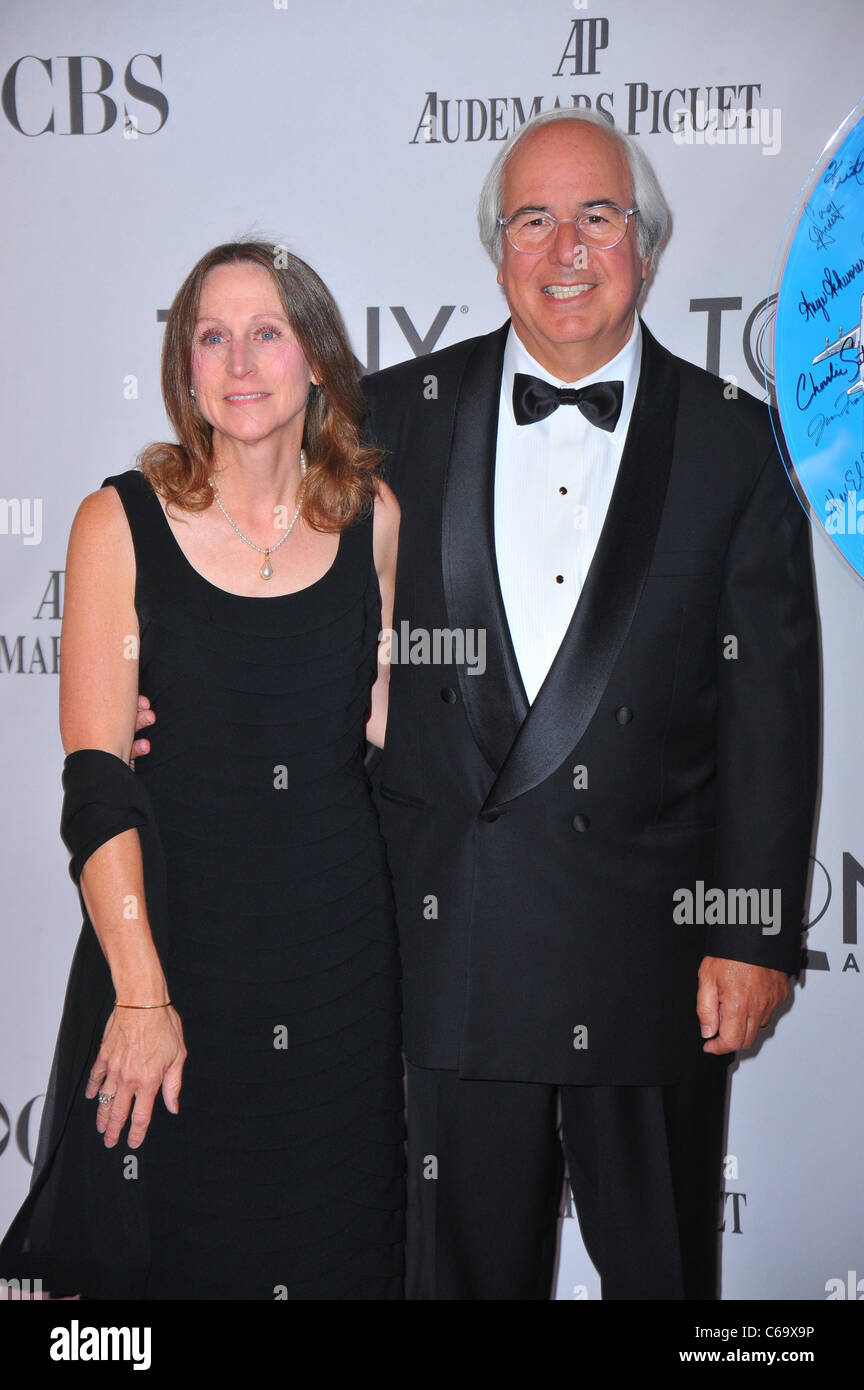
point(624, 714)
point(581, 822)
point(449, 696)
point(490, 815)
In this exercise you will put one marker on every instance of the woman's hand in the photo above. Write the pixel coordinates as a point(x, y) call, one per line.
point(143, 719)
point(142, 1052)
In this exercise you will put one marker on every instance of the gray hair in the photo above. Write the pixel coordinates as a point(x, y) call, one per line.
point(653, 218)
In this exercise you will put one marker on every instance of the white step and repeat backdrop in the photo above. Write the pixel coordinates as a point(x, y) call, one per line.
point(133, 137)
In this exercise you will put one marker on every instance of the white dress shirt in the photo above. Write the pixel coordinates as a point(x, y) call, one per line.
point(553, 482)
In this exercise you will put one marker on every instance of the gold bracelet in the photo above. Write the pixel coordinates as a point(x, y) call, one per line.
point(142, 1006)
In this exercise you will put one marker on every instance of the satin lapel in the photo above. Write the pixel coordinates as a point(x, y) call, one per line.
point(495, 701)
point(601, 620)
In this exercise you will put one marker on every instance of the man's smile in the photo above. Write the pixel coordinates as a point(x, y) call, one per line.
point(565, 291)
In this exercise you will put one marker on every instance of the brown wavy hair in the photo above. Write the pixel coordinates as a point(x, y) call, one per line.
point(340, 481)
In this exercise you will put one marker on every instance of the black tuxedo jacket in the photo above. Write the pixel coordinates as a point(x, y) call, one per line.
point(537, 851)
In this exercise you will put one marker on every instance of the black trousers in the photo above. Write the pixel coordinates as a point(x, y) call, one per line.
point(485, 1177)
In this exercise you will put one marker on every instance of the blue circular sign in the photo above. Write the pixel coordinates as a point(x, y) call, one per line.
point(818, 347)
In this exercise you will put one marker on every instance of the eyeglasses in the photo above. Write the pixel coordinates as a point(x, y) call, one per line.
point(603, 225)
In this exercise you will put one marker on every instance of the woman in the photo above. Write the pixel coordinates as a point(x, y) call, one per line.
point(238, 955)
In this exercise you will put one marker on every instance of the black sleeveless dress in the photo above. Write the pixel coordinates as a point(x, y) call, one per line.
point(282, 1175)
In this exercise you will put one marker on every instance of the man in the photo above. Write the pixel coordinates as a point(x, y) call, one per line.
point(637, 725)
point(645, 724)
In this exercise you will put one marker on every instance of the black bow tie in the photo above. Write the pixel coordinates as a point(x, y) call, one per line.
point(534, 399)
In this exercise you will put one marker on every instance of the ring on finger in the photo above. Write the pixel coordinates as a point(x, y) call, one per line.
point(105, 1100)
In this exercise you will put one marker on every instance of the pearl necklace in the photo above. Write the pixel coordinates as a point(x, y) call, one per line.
point(266, 570)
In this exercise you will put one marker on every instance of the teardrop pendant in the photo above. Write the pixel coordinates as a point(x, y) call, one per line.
point(266, 570)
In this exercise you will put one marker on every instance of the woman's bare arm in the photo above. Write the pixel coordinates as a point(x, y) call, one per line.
point(385, 544)
point(142, 1049)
